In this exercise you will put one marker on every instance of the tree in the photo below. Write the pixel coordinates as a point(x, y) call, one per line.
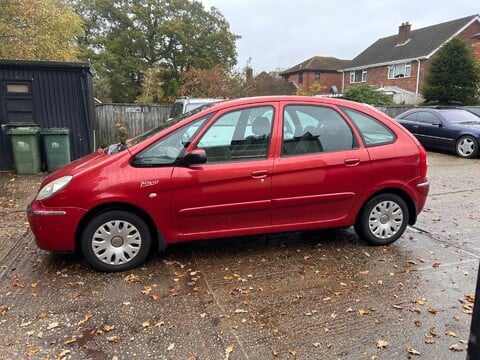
point(126, 38)
point(453, 77)
point(38, 30)
point(218, 81)
point(315, 88)
point(368, 95)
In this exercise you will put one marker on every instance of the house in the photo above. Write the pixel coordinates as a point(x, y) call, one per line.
point(318, 68)
point(49, 95)
point(398, 64)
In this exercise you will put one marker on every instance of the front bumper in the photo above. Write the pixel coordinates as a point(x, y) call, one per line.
point(54, 229)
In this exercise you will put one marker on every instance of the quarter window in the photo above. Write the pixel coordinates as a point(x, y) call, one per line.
point(399, 70)
point(373, 132)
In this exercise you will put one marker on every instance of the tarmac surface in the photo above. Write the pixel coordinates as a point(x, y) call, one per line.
point(311, 295)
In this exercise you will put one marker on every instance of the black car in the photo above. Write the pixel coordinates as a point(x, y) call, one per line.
point(444, 129)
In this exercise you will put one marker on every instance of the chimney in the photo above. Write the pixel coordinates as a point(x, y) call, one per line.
point(403, 33)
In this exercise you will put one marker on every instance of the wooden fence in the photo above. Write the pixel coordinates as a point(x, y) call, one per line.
point(137, 118)
point(394, 111)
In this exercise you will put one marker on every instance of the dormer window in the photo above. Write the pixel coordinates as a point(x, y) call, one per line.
point(396, 71)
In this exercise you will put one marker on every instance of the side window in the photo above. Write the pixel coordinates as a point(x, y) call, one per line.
point(428, 118)
point(167, 150)
point(239, 135)
point(311, 129)
point(411, 117)
point(373, 132)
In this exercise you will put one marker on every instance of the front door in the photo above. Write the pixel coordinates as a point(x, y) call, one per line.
point(230, 194)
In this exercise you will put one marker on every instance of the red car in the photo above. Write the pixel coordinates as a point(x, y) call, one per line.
point(239, 167)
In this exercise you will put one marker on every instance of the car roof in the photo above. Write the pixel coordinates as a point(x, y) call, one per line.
point(292, 98)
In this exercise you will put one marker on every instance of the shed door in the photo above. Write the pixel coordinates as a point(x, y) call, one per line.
point(16, 108)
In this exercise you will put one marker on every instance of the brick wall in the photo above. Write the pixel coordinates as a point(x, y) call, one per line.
point(327, 80)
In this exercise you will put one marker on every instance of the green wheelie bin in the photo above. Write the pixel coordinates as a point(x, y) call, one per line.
point(26, 149)
point(56, 142)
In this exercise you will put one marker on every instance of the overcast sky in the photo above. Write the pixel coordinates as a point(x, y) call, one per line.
point(278, 34)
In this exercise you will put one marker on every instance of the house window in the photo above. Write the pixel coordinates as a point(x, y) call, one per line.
point(358, 76)
point(317, 76)
point(300, 78)
point(399, 70)
point(18, 88)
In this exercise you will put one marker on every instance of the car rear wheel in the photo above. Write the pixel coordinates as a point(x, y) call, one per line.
point(467, 147)
point(383, 219)
point(115, 241)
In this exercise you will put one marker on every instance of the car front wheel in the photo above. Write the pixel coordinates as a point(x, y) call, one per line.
point(115, 241)
point(467, 147)
point(383, 219)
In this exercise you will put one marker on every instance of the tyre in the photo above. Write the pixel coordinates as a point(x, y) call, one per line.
point(467, 147)
point(115, 241)
point(383, 219)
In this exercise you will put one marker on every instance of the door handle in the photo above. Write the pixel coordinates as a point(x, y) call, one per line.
point(258, 174)
point(351, 162)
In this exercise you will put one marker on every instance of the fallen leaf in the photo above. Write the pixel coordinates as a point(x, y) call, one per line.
point(432, 310)
point(382, 344)
point(63, 354)
point(455, 347)
point(240, 311)
point(132, 278)
point(429, 340)
point(470, 298)
point(412, 351)
point(115, 339)
point(70, 341)
point(451, 333)
point(52, 325)
point(228, 351)
point(85, 319)
point(32, 351)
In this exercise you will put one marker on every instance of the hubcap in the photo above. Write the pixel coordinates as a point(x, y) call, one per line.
point(386, 219)
point(116, 242)
point(466, 147)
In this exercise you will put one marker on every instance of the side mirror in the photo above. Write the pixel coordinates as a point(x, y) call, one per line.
point(195, 157)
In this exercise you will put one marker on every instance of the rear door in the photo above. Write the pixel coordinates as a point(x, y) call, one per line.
point(321, 169)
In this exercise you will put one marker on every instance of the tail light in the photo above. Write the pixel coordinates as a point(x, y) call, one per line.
point(423, 161)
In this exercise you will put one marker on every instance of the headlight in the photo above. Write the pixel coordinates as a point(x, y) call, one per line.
point(53, 187)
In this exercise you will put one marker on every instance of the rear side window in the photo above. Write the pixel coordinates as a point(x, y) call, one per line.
point(311, 129)
point(373, 132)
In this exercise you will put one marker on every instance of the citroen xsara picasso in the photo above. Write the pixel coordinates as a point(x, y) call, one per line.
point(239, 167)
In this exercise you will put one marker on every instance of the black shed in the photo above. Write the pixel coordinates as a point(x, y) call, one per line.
point(49, 95)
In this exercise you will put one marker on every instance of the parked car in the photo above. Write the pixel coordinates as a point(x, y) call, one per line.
point(184, 105)
point(240, 167)
point(444, 129)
